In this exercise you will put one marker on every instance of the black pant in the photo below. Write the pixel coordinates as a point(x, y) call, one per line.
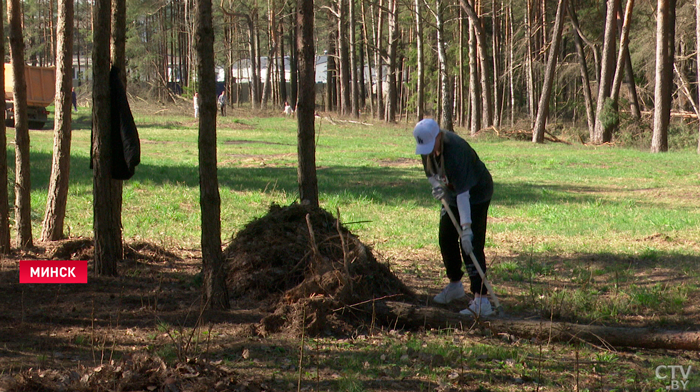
point(452, 252)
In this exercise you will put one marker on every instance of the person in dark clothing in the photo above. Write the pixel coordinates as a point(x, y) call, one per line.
point(458, 176)
point(74, 99)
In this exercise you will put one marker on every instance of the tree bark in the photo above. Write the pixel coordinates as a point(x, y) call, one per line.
point(344, 60)
point(306, 147)
point(496, 51)
point(331, 72)
point(530, 76)
point(4, 196)
point(294, 58)
point(420, 58)
point(629, 75)
point(272, 54)
point(606, 71)
point(118, 56)
point(665, 31)
point(283, 67)
point(23, 209)
point(619, 71)
point(586, 83)
point(254, 79)
point(543, 109)
point(214, 290)
point(392, 93)
point(368, 52)
point(107, 236)
point(697, 51)
point(379, 62)
point(480, 34)
point(474, 93)
point(52, 228)
point(445, 85)
point(408, 316)
point(354, 77)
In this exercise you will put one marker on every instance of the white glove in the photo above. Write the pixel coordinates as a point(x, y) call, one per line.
point(467, 237)
point(438, 187)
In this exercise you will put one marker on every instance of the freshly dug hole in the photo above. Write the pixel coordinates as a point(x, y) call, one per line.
point(276, 258)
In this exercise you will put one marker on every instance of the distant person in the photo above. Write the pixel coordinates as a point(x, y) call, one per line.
point(288, 111)
point(74, 99)
point(196, 105)
point(222, 103)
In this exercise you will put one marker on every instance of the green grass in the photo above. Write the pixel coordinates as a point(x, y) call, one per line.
point(556, 197)
point(580, 232)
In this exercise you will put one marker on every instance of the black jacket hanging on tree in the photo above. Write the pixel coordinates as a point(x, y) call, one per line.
point(125, 145)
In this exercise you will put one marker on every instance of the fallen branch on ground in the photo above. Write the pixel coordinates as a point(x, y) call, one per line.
point(404, 315)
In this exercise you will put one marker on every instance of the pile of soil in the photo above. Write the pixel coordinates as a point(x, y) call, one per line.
point(308, 266)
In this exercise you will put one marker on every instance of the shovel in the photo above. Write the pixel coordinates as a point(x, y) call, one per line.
point(492, 293)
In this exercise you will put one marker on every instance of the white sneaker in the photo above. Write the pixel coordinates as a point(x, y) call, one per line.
point(454, 290)
point(480, 307)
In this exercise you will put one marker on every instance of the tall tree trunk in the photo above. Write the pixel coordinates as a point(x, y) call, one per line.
point(511, 63)
point(697, 51)
point(355, 92)
point(362, 91)
point(52, 227)
point(459, 94)
point(392, 94)
point(214, 291)
point(487, 115)
point(23, 209)
point(344, 59)
point(272, 54)
point(496, 50)
point(4, 196)
point(379, 63)
point(543, 109)
point(420, 77)
point(530, 76)
point(108, 241)
point(306, 148)
point(369, 59)
point(665, 31)
point(619, 71)
point(445, 85)
point(294, 60)
point(118, 56)
point(331, 72)
point(474, 94)
point(283, 67)
point(629, 75)
point(606, 72)
point(252, 53)
point(586, 84)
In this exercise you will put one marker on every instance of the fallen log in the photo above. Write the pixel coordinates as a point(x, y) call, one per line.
point(408, 316)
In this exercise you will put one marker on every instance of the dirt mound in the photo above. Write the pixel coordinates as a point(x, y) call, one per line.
point(308, 266)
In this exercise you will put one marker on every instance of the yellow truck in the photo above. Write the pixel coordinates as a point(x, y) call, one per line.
point(41, 89)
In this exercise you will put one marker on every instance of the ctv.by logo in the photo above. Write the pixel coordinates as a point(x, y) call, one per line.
point(676, 375)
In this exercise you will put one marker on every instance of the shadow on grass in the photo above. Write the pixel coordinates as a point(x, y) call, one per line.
point(387, 185)
point(651, 288)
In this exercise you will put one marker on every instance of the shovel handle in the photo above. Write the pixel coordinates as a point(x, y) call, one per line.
point(492, 293)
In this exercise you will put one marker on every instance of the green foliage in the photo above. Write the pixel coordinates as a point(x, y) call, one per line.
point(609, 116)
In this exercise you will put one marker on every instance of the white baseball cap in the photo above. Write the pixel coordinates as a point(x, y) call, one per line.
point(425, 133)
